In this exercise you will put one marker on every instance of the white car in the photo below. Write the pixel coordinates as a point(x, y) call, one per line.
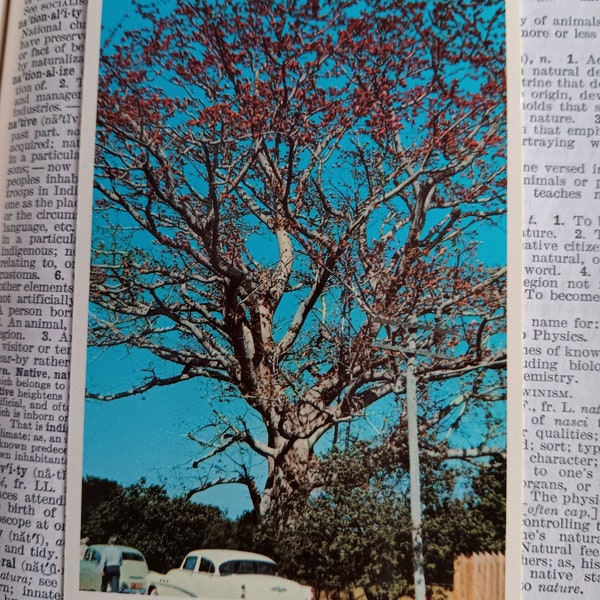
point(227, 575)
point(133, 570)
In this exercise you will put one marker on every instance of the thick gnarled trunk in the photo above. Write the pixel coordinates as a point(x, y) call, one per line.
point(291, 475)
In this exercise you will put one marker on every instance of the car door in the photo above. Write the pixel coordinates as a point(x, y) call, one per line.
point(208, 582)
point(191, 578)
point(184, 578)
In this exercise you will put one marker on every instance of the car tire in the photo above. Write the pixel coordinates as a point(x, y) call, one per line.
point(153, 592)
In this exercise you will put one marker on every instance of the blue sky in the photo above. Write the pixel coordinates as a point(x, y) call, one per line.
point(146, 437)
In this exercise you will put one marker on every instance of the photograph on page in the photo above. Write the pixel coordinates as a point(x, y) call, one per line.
point(293, 383)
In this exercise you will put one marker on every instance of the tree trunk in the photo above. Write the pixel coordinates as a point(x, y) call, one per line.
point(290, 478)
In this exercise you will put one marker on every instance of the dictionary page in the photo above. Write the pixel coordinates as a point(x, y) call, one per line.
point(561, 345)
point(39, 128)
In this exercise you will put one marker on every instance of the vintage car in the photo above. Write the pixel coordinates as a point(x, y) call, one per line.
point(134, 570)
point(227, 574)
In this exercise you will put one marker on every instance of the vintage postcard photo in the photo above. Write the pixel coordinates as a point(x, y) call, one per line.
point(294, 371)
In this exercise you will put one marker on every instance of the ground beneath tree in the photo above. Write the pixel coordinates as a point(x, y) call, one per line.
point(438, 593)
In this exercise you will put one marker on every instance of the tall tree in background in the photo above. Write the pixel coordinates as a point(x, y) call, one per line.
point(284, 185)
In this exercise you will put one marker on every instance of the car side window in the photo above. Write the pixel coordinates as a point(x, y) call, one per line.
point(189, 563)
point(95, 556)
point(206, 566)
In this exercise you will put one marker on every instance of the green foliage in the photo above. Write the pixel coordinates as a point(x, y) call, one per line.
point(472, 522)
point(94, 492)
point(351, 538)
point(164, 529)
point(354, 531)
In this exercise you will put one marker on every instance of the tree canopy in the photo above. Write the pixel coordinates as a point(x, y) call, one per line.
point(287, 192)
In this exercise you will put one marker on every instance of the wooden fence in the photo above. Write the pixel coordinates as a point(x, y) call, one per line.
point(479, 577)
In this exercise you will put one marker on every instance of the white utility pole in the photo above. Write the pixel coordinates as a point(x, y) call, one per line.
point(413, 461)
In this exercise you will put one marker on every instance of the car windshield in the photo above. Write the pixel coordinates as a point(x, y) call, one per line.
point(245, 567)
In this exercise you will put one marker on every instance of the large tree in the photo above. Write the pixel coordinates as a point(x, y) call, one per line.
point(287, 185)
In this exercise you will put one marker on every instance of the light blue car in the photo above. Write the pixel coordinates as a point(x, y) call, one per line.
point(133, 570)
